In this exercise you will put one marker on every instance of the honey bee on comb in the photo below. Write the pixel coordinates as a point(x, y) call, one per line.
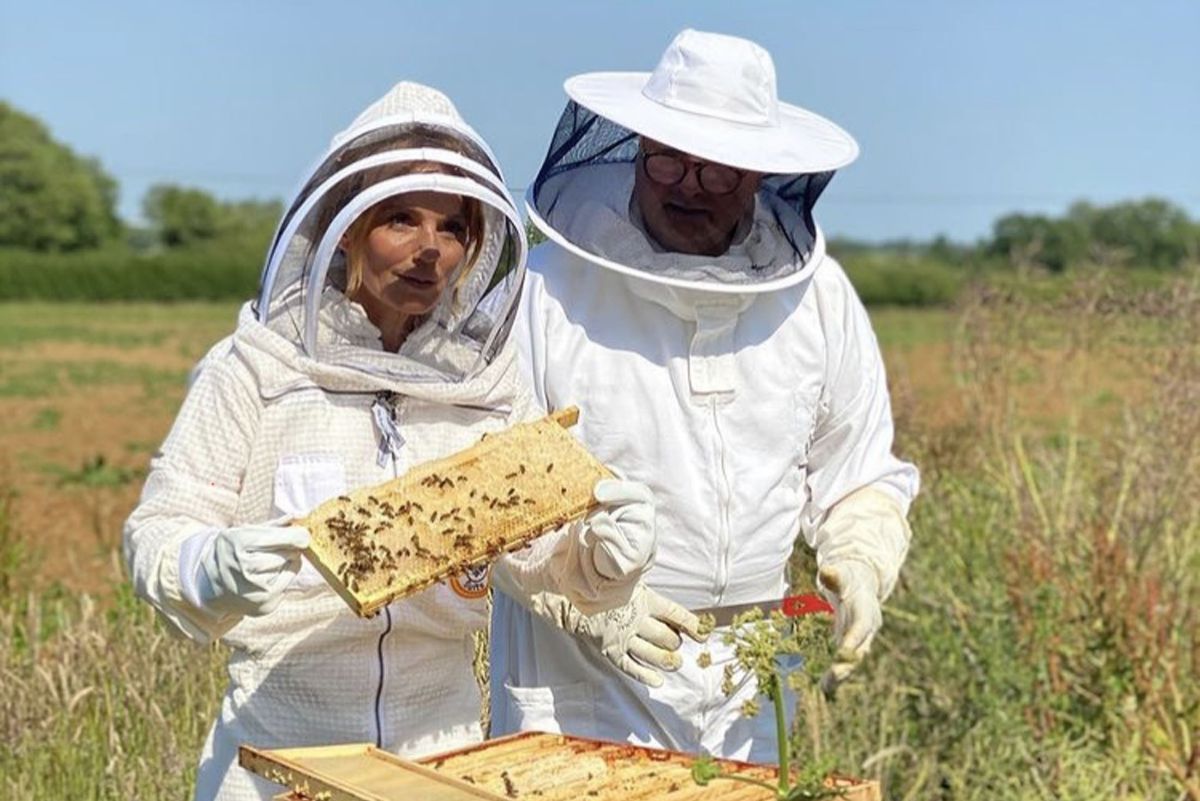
point(394, 539)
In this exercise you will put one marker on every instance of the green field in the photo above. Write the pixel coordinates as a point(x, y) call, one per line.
point(1042, 644)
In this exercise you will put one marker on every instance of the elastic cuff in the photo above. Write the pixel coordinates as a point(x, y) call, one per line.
point(192, 581)
point(902, 501)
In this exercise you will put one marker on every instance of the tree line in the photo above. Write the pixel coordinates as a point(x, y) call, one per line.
point(58, 212)
point(55, 201)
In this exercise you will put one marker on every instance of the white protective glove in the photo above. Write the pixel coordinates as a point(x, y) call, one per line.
point(853, 590)
point(641, 638)
point(860, 547)
point(244, 570)
point(595, 562)
point(622, 532)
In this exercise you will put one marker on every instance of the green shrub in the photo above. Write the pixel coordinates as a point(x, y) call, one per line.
point(212, 272)
point(1120, 286)
point(904, 282)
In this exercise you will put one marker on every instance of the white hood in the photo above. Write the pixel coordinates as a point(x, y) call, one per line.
point(280, 366)
point(364, 165)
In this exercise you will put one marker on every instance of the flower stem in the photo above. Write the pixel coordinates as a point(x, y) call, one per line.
point(776, 693)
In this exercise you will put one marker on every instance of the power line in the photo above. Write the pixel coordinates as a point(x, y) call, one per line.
point(989, 200)
point(833, 197)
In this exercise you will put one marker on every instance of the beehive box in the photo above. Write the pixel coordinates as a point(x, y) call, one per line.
point(386, 542)
point(555, 767)
point(534, 766)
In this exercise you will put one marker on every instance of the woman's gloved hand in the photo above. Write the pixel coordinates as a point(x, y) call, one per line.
point(244, 570)
point(853, 590)
point(641, 637)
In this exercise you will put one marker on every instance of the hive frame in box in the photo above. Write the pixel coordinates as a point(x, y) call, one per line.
point(479, 754)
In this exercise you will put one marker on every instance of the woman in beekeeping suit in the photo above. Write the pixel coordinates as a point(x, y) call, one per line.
point(380, 340)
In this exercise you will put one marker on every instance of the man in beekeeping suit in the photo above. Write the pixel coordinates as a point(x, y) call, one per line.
point(686, 303)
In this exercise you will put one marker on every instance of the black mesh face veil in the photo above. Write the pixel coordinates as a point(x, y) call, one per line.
point(585, 143)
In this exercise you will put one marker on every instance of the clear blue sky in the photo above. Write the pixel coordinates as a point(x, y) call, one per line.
point(964, 110)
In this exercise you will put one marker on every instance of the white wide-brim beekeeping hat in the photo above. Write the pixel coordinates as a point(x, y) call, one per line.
point(714, 96)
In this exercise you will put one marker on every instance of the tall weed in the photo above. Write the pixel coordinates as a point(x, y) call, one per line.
point(1044, 643)
point(100, 704)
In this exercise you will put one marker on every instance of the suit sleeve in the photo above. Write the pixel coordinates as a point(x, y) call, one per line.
point(859, 492)
point(192, 488)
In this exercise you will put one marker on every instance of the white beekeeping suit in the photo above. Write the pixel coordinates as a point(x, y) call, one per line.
point(745, 389)
point(303, 403)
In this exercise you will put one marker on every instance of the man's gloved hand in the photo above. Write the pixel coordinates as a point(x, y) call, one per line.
point(244, 570)
point(853, 589)
point(622, 532)
point(595, 562)
point(640, 638)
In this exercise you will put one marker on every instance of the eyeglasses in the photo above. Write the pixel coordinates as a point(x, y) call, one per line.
point(670, 169)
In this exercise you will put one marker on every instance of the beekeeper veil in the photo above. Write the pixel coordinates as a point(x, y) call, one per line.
point(410, 140)
point(711, 96)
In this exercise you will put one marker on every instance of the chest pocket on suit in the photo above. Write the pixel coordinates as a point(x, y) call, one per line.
point(302, 482)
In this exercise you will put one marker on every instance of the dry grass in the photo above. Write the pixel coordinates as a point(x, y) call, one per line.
point(100, 704)
point(1043, 644)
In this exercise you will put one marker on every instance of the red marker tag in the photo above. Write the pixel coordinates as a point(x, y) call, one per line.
point(808, 604)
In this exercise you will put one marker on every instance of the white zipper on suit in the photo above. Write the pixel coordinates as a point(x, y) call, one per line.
point(387, 613)
point(384, 410)
point(724, 497)
point(711, 372)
